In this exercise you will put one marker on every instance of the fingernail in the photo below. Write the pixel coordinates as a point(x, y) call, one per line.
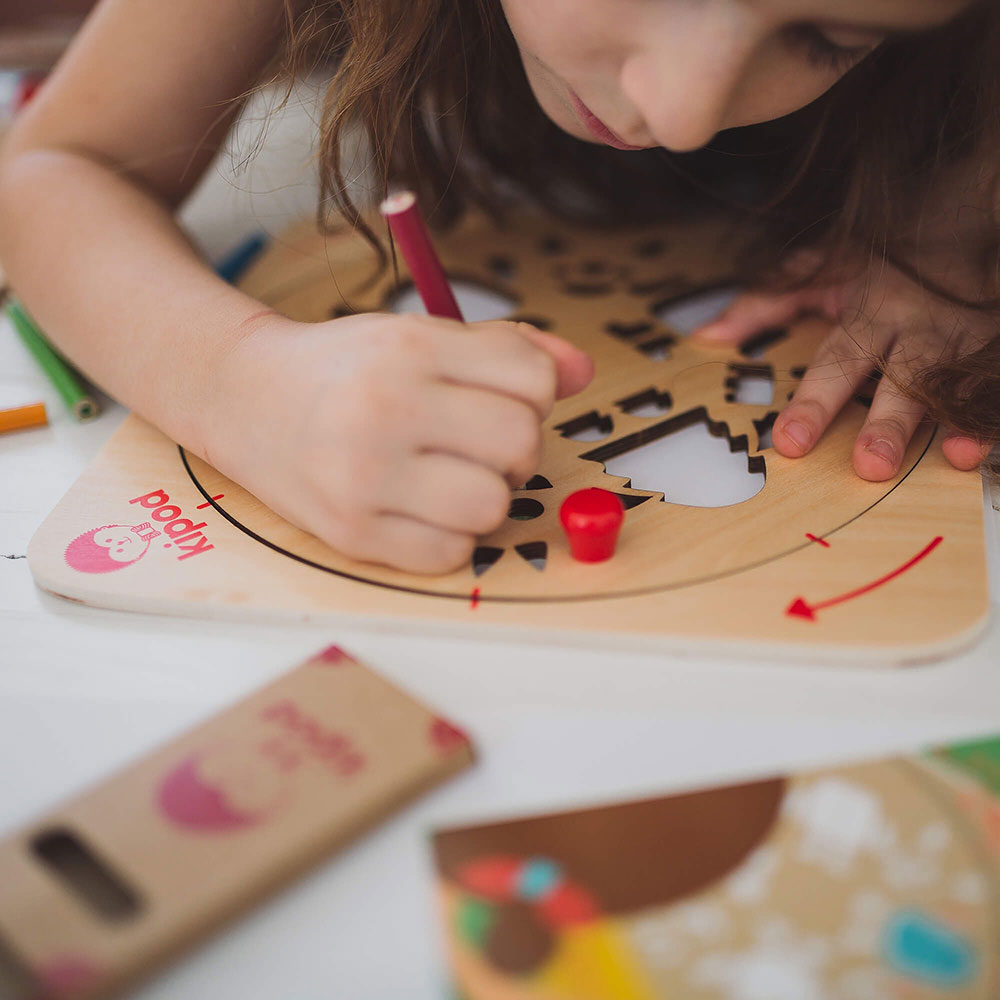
point(799, 434)
point(884, 450)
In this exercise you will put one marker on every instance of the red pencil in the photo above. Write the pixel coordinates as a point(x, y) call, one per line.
point(409, 231)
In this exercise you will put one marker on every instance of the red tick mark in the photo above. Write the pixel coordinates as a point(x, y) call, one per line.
point(202, 506)
point(800, 608)
point(819, 541)
point(474, 600)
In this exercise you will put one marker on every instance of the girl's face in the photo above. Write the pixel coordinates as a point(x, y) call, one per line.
point(673, 73)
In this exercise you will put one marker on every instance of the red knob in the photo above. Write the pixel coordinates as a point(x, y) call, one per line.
point(592, 519)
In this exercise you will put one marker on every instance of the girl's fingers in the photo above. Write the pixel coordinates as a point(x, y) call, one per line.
point(450, 493)
point(882, 441)
point(405, 543)
point(751, 313)
point(494, 430)
point(511, 358)
point(574, 368)
point(964, 452)
point(840, 367)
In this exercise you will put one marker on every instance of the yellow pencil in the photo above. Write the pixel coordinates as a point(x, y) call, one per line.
point(19, 417)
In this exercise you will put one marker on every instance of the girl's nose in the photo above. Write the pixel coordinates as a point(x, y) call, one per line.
point(684, 79)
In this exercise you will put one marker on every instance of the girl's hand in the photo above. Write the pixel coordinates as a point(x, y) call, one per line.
point(395, 439)
point(889, 321)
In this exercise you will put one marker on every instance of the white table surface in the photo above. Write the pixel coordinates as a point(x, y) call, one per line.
point(85, 691)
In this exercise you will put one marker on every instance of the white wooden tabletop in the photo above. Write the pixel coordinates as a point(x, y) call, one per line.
point(85, 691)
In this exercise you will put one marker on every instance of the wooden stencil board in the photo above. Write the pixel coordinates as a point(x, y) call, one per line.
point(817, 561)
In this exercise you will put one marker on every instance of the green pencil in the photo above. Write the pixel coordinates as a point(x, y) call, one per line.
point(82, 405)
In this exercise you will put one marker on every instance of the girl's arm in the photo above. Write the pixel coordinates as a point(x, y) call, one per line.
point(395, 439)
point(115, 140)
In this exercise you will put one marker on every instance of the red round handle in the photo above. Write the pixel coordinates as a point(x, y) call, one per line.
point(592, 519)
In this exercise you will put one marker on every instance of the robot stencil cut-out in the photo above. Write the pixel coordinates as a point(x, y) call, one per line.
point(792, 556)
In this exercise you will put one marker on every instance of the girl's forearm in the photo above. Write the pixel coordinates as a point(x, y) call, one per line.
point(118, 288)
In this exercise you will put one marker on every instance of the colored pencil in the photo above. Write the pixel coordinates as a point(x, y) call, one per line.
point(19, 417)
point(410, 233)
point(234, 265)
point(62, 377)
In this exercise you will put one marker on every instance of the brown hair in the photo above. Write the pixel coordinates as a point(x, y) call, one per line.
point(437, 89)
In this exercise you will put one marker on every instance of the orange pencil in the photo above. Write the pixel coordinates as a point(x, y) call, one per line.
point(19, 417)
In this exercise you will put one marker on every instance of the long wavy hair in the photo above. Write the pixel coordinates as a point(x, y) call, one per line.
point(438, 91)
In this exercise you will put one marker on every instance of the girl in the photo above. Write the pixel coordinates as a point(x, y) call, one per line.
point(397, 438)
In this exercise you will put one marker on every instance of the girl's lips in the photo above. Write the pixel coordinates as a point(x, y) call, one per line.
point(596, 127)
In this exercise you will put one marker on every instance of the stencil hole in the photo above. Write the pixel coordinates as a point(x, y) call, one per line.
point(647, 404)
point(590, 427)
point(483, 557)
point(552, 245)
point(525, 509)
point(658, 349)
point(627, 331)
point(689, 460)
point(535, 553)
point(687, 312)
point(86, 876)
point(537, 483)
point(758, 346)
point(477, 302)
point(764, 428)
point(753, 386)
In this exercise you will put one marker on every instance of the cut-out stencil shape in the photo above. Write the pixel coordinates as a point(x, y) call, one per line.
point(484, 557)
point(764, 429)
point(534, 553)
point(658, 349)
point(647, 404)
point(525, 509)
point(691, 467)
point(537, 483)
point(477, 302)
point(687, 313)
point(590, 427)
point(752, 387)
point(627, 331)
point(758, 346)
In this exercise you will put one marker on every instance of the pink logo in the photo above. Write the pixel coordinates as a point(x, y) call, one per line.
point(115, 546)
point(110, 547)
point(224, 789)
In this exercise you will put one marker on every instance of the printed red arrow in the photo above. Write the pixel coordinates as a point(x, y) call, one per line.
point(800, 608)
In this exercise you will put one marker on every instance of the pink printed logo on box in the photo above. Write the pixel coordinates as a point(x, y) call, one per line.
point(244, 781)
point(228, 787)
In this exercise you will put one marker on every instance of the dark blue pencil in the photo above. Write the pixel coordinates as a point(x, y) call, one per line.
point(234, 265)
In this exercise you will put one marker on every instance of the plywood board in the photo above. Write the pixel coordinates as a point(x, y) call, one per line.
point(811, 560)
